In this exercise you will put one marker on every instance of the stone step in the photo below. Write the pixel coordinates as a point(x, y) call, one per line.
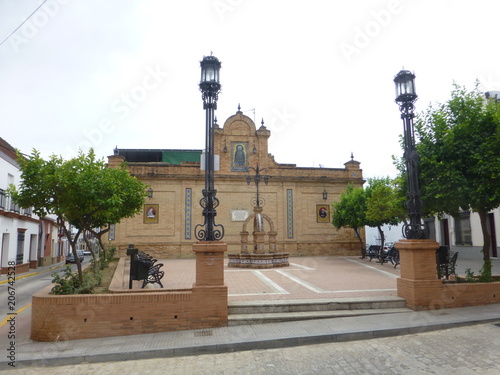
point(303, 305)
point(259, 318)
point(258, 312)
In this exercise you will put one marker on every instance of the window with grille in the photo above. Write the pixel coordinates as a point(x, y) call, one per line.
point(463, 233)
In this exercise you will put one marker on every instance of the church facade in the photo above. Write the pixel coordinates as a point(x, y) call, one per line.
point(296, 201)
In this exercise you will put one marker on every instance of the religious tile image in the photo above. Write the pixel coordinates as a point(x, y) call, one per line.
point(322, 213)
point(239, 156)
point(151, 212)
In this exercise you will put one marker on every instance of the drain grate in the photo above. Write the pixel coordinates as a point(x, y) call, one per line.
point(203, 333)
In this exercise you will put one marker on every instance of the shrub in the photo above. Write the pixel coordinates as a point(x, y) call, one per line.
point(70, 284)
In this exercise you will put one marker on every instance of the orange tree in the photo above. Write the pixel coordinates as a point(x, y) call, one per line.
point(81, 192)
point(459, 150)
point(350, 212)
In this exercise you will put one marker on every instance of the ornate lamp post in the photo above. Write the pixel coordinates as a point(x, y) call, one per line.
point(257, 178)
point(406, 97)
point(210, 88)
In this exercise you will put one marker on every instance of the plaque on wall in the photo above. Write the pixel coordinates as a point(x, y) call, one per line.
point(322, 213)
point(239, 215)
point(151, 213)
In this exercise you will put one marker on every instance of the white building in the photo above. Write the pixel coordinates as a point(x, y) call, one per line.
point(27, 241)
point(462, 233)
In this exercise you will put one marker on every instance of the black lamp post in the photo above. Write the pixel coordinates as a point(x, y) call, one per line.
point(210, 88)
point(406, 97)
point(257, 178)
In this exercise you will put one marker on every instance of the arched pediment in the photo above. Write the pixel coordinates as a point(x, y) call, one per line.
point(239, 124)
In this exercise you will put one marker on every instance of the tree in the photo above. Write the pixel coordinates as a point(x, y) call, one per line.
point(384, 204)
point(81, 192)
point(350, 212)
point(459, 149)
point(378, 204)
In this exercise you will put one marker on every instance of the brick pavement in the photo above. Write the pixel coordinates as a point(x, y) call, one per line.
point(305, 278)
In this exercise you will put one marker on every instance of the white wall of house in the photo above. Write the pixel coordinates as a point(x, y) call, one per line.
point(392, 233)
point(13, 219)
point(472, 249)
point(469, 250)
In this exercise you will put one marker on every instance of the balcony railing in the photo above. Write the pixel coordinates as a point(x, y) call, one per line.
point(6, 203)
point(14, 207)
point(3, 199)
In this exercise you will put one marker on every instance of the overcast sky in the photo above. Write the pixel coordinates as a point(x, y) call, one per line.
point(125, 73)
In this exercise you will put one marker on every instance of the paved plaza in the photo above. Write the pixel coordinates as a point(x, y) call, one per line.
point(305, 278)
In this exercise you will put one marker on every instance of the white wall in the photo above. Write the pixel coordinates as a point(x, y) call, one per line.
point(392, 234)
point(10, 174)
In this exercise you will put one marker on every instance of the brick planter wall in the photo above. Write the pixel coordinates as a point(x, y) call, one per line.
point(422, 290)
point(135, 312)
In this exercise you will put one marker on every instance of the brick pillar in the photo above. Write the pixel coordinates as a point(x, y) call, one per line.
point(418, 283)
point(209, 292)
point(209, 263)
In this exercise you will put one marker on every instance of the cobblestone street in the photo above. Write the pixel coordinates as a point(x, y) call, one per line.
point(458, 351)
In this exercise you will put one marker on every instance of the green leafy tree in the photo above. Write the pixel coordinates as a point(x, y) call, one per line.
point(350, 212)
point(459, 149)
point(81, 192)
point(383, 204)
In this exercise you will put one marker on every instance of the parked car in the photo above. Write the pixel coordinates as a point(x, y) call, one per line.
point(71, 259)
point(87, 252)
point(388, 246)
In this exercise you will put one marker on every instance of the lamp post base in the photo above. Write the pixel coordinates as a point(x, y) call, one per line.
point(418, 283)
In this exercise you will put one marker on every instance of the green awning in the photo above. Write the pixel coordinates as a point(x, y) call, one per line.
point(177, 157)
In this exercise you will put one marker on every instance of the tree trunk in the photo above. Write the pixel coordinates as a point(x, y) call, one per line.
point(363, 248)
point(483, 217)
point(72, 242)
point(382, 237)
point(89, 246)
point(99, 239)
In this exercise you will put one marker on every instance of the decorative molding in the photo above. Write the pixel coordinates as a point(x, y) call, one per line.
point(188, 210)
point(289, 213)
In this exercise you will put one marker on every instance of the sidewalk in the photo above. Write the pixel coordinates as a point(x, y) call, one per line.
point(262, 336)
point(327, 278)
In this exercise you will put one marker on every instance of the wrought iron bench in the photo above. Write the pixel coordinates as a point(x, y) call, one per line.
point(154, 275)
point(446, 265)
point(373, 252)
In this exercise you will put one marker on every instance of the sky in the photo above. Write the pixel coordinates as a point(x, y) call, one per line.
point(319, 73)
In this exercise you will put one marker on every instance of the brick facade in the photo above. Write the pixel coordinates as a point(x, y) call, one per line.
point(291, 197)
